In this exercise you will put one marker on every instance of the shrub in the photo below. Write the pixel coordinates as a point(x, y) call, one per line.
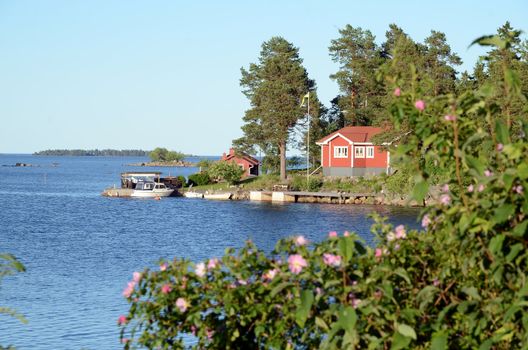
point(227, 171)
point(460, 283)
point(199, 179)
point(299, 183)
point(9, 265)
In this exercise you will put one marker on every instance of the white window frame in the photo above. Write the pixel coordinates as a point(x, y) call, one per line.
point(358, 154)
point(370, 152)
point(340, 151)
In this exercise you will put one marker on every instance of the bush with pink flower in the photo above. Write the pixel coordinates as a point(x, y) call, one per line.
point(459, 283)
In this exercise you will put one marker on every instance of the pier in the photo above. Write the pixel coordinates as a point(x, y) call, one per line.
point(312, 197)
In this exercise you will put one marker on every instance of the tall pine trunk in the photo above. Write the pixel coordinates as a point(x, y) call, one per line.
point(282, 153)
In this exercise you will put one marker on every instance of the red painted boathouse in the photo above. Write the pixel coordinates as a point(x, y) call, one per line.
point(245, 161)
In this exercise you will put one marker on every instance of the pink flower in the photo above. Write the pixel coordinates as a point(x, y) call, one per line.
point(397, 92)
point(210, 334)
point(125, 340)
point(164, 266)
point(270, 274)
point(346, 234)
point(122, 320)
point(426, 221)
point(450, 118)
point(127, 292)
point(193, 329)
point(332, 234)
point(488, 173)
point(213, 263)
point(200, 269)
point(470, 188)
point(436, 282)
point(331, 259)
point(518, 189)
point(500, 147)
point(318, 291)
point(445, 199)
point(355, 303)
point(445, 188)
point(300, 241)
point(166, 288)
point(296, 263)
point(480, 188)
point(391, 236)
point(420, 105)
point(378, 253)
point(136, 276)
point(242, 282)
point(182, 304)
point(400, 232)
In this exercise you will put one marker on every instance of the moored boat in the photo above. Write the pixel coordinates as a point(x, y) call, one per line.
point(151, 190)
point(191, 194)
point(218, 196)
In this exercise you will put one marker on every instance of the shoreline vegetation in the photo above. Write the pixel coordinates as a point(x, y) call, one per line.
point(459, 282)
point(94, 153)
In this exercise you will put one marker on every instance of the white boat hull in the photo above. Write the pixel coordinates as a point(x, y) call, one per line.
point(193, 195)
point(218, 196)
point(152, 194)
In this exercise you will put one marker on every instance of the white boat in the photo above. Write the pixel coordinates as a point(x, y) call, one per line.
point(191, 194)
point(218, 196)
point(151, 190)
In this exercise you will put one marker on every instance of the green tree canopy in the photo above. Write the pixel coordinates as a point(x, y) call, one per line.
point(274, 87)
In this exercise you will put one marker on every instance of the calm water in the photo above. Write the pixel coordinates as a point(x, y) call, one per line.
point(80, 248)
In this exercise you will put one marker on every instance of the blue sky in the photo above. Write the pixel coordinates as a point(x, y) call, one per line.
point(142, 74)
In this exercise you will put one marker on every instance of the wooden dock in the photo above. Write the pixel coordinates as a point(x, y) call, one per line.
point(312, 197)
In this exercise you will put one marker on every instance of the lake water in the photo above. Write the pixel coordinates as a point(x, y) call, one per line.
point(80, 248)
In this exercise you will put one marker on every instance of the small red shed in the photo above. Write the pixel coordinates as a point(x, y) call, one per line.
point(245, 161)
point(350, 152)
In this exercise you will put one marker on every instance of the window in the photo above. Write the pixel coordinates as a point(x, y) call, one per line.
point(360, 152)
point(340, 152)
point(370, 152)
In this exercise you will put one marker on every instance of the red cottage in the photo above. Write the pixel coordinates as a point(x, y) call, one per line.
point(350, 152)
point(246, 162)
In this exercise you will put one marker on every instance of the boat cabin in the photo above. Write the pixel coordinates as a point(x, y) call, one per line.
point(130, 180)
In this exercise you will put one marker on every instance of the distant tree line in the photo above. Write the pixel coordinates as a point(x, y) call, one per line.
point(94, 152)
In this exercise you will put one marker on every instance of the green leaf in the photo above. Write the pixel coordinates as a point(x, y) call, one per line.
point(503, 213)
point(522, 171)
point(403, 274)
point(486, 345)
point(490, 40)
point(279, 288)
point(472, 292)
point(420, 190)
point(439, 341)
point(474, 163)
point(514, 251)
point(304, 308)
point(346, 247)
point(495, 244)
point(321, 324)
point(521, 229)
point(400, 341)
point(347, 319)
point(406, 330)
point(502, 132)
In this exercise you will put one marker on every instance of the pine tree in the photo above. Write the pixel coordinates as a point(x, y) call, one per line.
point(274, 87)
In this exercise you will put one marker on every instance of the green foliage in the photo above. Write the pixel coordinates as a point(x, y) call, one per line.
point(274, 87)
point(199, 179)
point(9, 265)
point(230, 172)
point(300, 183)
point(204, 164)
point(164, 155)
point(460, 283)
